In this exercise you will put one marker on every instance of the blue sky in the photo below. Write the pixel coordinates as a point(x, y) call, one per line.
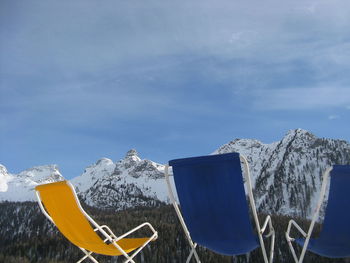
point(81, 80)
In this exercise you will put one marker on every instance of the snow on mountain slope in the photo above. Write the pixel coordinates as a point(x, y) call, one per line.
point(129, 182)
point(4, 178)
point(21, 187)
point(254, 150)
point(93, 172)
point(287, 174)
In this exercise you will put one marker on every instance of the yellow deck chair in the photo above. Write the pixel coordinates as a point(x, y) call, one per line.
point(59, 203)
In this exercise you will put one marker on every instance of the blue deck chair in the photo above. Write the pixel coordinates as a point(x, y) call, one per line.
point(213, 202)
point(334, 239)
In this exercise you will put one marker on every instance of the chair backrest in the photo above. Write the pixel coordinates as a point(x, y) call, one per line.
point(336, 226)
point(213, 202)
point(60, 202)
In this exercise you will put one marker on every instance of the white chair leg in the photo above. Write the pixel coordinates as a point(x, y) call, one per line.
point(87, 255)
point(193, 252)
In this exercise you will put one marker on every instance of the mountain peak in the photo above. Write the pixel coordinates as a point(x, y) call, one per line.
point(131, 153)
point(132, 156)
point(298, 131)
point(3, 169)
point(104, 161)
point(42, 174)
point(20, 187)
point(299, 134)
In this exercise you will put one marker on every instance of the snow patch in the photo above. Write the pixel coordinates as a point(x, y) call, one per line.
point(4, 177)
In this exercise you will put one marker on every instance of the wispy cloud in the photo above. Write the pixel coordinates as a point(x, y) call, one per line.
point(169, 68)
point(314, 98)
point(333, 117)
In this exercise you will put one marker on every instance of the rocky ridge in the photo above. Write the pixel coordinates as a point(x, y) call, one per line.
point(286, 175)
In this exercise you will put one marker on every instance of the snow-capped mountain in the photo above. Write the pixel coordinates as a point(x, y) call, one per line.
point(130, 182)
point(20, 187)
point(4, 178)
point(127, 183)
point(286, 175)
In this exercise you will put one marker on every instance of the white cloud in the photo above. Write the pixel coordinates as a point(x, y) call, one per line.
point(302, 98)
point(92, 36)
point(333, 117)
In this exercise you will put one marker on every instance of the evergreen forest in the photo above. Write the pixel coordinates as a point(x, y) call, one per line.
point(27, 236)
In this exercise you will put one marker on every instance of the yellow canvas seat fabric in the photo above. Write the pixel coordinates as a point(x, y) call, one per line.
point(61, 204)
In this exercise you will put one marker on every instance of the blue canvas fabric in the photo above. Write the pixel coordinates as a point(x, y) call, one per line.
point(334, 240)
point(213, 202)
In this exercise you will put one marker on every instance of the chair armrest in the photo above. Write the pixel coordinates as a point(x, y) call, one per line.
point(268, 221)
point(154, 236)
point(111, 234)
point(292, 222)
point(115, 238)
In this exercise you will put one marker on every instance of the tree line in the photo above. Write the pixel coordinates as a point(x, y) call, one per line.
point(27, 236)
